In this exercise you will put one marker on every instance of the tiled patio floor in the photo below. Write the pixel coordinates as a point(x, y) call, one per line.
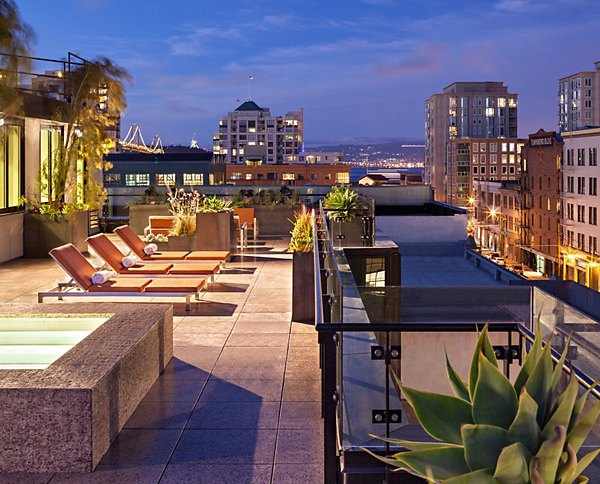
point(240, 401)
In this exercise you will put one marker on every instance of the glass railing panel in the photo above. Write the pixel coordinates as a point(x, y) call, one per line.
point(561, 320)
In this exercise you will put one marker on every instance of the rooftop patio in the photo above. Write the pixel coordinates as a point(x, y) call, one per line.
point(239, 402)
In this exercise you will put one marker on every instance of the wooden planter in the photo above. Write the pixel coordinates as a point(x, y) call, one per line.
point(41, 234)
point(303, 287)
point(138, 215)
point(215, 231)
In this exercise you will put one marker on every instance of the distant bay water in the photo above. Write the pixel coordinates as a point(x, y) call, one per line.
point(356, 172)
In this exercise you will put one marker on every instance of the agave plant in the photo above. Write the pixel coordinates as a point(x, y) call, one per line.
point(493, 431)
point(341, 203)
point(302, 234)
point(214, 204)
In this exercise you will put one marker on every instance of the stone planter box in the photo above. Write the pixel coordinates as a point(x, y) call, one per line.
point(138, 215)
point(275, 219)
point(41, 234)
point(215, 231)
point(303, 287)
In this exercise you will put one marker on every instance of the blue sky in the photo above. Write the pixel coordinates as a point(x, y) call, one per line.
point(361, 69)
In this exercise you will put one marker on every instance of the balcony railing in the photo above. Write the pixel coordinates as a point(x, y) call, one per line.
point(370, 336)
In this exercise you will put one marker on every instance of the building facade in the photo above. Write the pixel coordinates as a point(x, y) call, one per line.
point(579, 100)
point(580, 253)
point(473, 159)
point(541, 169)
point(250, 134)
point(312, 157)
point(497, 217)
point(464, 109)
point(136, 175)
point(287, 174)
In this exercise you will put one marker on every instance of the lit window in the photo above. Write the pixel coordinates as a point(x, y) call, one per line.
point(236, 176)
point(137, 179)
point(288, 176)
point(163, 179)
point(112, 179)
point(193, 179)
point(11, 163)
point(342, 177)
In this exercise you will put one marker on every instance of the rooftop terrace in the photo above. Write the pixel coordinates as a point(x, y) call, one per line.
point(239, 402)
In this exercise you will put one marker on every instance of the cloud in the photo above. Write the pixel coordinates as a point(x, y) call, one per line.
point(480, 57)
point(532, 6)
point(200, 41)
point(424, 59)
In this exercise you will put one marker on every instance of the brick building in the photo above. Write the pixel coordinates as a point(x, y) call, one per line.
point(541, 167)
point(287, 174)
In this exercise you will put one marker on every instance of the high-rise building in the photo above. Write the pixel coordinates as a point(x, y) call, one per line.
point(464, 109)
point(541, 167)
point(580, 251)
point(579, 100)
point(251, 135)
point(473, 159)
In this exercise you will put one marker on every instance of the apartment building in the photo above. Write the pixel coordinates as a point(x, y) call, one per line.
point(579, 100)
point(288, 174)
point(472, 159)
point(580, 233)
point(497, 216)
point(250, 134)
point(313, 157)
point(464, 109)
point(541, 167)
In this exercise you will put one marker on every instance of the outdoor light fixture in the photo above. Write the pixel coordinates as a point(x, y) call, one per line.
point(471, 200)
point(78, 133)
point(1, 121)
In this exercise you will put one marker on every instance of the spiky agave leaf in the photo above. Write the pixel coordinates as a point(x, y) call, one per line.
point(459, 387)
point(484, 348)
point(513, 464)
point(531, 359)
point(495, 401)
point(410, 445)
point(582, 428)
point(562, 414)
point(441, 416)
point(440, 464)
point(524, 428)
point(545, 462)
point(538, 384)
point(483, 445)
point(482, 476)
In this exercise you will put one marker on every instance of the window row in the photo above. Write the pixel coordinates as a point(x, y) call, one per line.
point(143, 179)
point(592, 156)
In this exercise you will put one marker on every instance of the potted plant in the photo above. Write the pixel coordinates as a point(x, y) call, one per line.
point(215, 227)
point(70, 181)
point(303, 269)
point(343, 207)
point(183, 207)
point(493, 430)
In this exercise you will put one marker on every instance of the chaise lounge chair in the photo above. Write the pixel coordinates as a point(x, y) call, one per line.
point(137, 245)
point(81, 271)
point(113, 257)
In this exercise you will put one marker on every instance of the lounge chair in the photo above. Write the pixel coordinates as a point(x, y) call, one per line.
point(160, 224)
point(246, 216)
point(113, 257)
point(137, 246)
point(81, 271)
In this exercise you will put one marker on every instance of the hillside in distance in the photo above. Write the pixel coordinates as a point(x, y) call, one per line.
point(389, 153)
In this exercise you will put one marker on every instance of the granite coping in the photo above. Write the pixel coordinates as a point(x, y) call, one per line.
point(93, 357)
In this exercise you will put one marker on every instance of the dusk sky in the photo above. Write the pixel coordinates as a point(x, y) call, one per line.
point(360, 69)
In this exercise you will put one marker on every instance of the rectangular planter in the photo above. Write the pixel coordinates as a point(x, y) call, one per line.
point(347, 233)
point(303, 287)
point(215, 231)
point(138, 215)
point(179, 243)
point(41, 234)
point(275, 219)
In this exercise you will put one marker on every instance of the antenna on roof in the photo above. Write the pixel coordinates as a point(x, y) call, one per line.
point(194, 143)
point(250, 79)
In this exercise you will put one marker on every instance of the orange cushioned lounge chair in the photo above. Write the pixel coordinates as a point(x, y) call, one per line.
point(81, 271)
point(113, 257)
point(137, 245)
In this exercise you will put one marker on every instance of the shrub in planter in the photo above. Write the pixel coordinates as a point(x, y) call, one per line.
point(494, 431)
point(303, 272)
point(215, 227)
point(343, 206)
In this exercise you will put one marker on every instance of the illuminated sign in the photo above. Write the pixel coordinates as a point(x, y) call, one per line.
point(547, 141)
